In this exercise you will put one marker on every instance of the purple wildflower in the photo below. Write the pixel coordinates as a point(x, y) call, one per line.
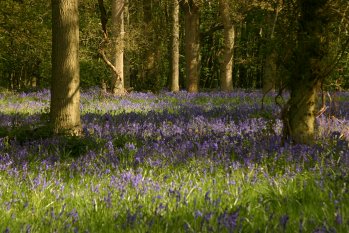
point(108, 200)
point(197, 214)
point(28, 228)
point(131, 218)
point(74, 215)
point(339, 219)
point(207, 196)
point(283, 221)
point(208, 216)
point(228, 220)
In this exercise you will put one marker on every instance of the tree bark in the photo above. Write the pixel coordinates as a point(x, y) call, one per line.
point(149, 65)
point(118, 33)
point(270, 72)
point(192, 45)
point(226, 78)
point(65, 93)
point(307, 72)
point(175, 47)
point(302, 112)
point(127, 77)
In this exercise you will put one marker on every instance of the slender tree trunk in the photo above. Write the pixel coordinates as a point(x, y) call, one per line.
point(104, 21)
point(226, 78)
point(147, 11)
point(118, 7)
point(270, 72)
point(65, 94)
point(149, 71)
point(242, 81)
point(192, 45)
point(127, 76)
point(148, 65)
point(307, 73)
point(270, 65)
point(175, 47)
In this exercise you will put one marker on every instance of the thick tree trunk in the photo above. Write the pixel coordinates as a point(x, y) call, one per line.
point(302, 113)
point(192, 45)
point(307, 72)
point(226, 78)
point(175, 47)
point(118, 7)
point(65, 94)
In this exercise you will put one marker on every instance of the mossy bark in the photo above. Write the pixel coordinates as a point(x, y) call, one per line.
point(312, 47)
point(302, 113)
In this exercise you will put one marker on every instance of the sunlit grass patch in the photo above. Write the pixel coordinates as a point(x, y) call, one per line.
point(199, 195)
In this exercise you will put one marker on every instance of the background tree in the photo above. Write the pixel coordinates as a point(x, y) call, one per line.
point(175, 47)
point(270, 66)
point(116, 42)
point(228, 53)
point(65, 93)
point(118, 9)
point(192, 44)
point(264, 37)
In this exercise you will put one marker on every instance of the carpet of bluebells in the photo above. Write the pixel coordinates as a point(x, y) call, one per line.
point(208, 162)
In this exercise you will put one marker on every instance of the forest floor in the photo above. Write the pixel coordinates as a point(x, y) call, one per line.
point(207, 162)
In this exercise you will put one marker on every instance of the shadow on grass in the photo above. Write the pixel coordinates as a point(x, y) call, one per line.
point(33, 131)
point(19, 132)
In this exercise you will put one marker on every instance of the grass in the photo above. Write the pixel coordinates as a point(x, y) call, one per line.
point(150, 180)
point(192, 197)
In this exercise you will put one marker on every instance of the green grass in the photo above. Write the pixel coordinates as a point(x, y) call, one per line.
point(194, 195)
point(173, 199)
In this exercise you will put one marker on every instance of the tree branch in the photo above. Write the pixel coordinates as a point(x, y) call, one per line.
point(212, 30)
point(104, 18)
point(106, 60)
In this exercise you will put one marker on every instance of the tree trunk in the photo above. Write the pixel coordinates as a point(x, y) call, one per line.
point(150, 70)
point(118, 7)
point(65, 94)
point(302, 113)
point(307, 72)
point(192, 45)
point(127, 76)
point(243, 56)
point(270, 72)
point(226, 78)
point(175, 47)
point(148, 66)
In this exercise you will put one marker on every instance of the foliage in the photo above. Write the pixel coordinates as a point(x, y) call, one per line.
point(25, 43)
point(261, 27)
